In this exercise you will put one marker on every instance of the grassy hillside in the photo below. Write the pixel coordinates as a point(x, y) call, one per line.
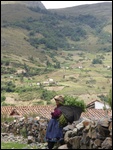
point(56, 30)
point(13, 42)
point(72, 46)
point(99, 10)
point(26, 3)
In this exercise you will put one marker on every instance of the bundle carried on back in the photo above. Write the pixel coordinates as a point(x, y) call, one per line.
point(71, 113)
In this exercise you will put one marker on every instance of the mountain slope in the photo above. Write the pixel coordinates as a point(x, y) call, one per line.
point(42, 34)
point(67, 29)
point(73, 46)
point(99, 9)
point(26, 3)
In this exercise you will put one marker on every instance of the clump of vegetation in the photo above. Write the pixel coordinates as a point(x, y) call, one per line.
point(47, 95)
point(109, 98)
point(70, 100)
point(3, 98)
point(8, 86)
point(97, 61)
point(6, 118)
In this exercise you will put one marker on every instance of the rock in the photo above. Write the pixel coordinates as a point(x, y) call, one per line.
point(66, 136)
point(63, 147)
point(98, 142)
point(104, 122)
point(30, 139)
point(75, 142)
point(103, 131)
point(107, 143)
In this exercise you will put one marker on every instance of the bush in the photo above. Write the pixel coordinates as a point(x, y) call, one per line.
point(8, 86)
point(5, 118)
point(97, 61)
point(47, 95)
point(109, 98)
point(3, 98)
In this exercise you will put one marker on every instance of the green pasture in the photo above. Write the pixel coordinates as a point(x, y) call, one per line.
point(15, 145)
point(12, 145)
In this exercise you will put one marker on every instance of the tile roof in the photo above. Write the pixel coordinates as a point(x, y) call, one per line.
point(96, 113)
point(27, 110)
point(46, 110)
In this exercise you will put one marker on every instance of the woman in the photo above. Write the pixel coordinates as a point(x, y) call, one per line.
point(54, 131)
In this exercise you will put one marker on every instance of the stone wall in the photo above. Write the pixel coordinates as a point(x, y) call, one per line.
point(82, 134)
point(33, 129)
point(88, 134)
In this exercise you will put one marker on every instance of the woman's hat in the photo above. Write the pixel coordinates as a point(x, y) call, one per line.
point(59, 98)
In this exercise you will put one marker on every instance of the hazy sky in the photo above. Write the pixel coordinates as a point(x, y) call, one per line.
point(63, 4)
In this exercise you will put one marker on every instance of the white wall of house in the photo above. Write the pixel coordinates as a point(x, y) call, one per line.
point(50, 80)
point(99, 105)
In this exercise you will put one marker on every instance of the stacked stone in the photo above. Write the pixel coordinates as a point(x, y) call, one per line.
point(31, 128)
point(10, 137)
point(82, 134)
point(88, 134)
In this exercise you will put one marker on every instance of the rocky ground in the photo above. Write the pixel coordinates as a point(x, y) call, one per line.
point(10, 137)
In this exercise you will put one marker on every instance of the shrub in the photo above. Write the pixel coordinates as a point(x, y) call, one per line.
point(47, 95)
point(97, 61)
point(109, 98)
point(4, 118)
point(3, 98)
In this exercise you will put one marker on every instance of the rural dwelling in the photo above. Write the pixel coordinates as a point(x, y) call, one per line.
point(50, 80)
point(97, 105)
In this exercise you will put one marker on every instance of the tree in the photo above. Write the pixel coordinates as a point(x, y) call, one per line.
point(97, 61)
point(47, 95)
point(57, 65)
point(48, 63)
point(26, 67)
point(21, 78)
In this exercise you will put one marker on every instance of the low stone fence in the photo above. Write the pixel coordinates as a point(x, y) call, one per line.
point(33, 129)
point(82, 134)
point(88, 134)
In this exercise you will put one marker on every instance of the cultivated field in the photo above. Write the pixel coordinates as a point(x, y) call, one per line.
point(76, 77)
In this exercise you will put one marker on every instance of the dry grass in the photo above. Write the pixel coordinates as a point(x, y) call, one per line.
point(108, 28)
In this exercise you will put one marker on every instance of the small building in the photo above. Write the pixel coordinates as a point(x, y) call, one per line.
point(96, 104)
point(50, 80)
point(38, 83)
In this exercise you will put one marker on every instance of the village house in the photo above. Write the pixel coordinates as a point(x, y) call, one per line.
point(96, 104)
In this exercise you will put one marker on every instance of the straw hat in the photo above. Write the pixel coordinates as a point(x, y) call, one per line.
point(59, 98)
